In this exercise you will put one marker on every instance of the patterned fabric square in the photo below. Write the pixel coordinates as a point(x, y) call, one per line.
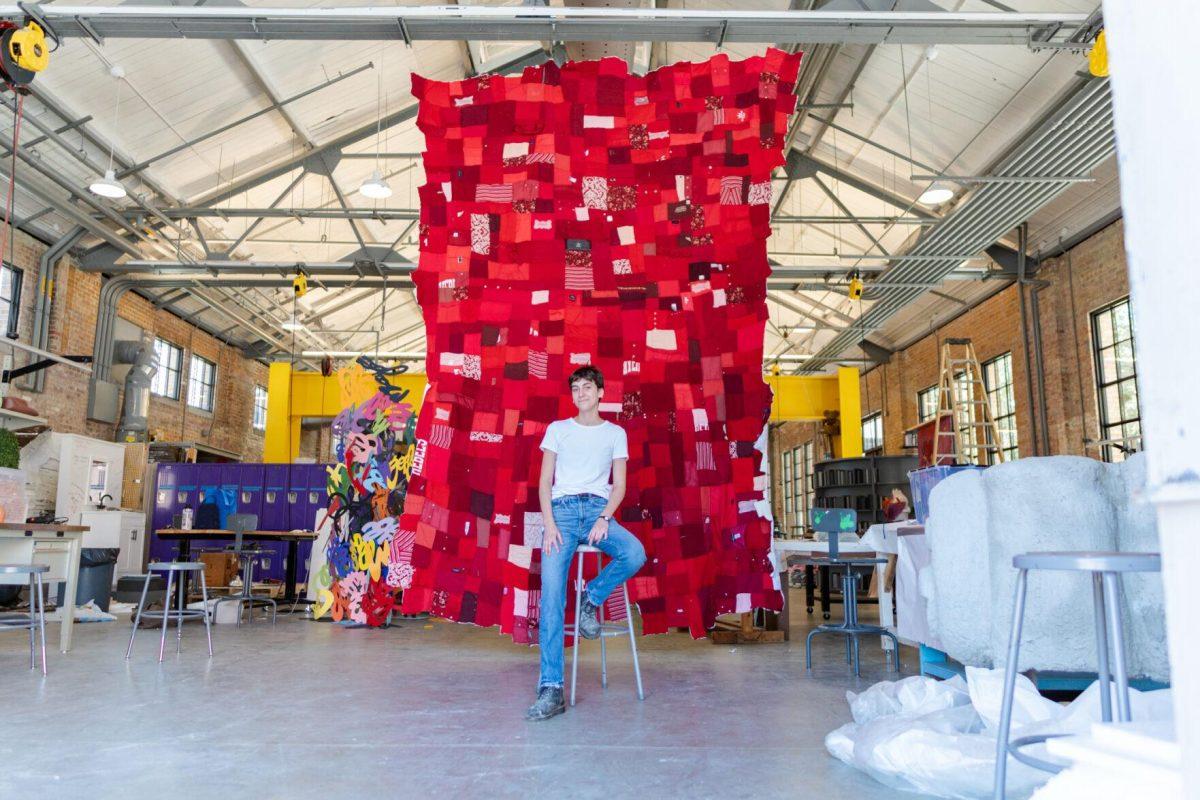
point(583, 215)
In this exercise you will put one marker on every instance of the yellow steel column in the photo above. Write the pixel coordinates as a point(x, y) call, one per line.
point(282, 443)
point(850, 413)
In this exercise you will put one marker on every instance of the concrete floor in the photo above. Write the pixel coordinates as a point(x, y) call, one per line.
point(425, 708)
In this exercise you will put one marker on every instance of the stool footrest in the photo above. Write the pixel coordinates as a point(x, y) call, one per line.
point(858, 630)
point(191, 613)
point(1014, 749)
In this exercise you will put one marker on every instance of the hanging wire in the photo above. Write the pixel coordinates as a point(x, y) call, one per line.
point(904, 85)
point(112, 144)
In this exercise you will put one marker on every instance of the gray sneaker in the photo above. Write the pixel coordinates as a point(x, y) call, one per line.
point(589, 619)
point(549, 704)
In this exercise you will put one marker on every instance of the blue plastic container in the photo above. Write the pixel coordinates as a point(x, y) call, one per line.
point(922, 482)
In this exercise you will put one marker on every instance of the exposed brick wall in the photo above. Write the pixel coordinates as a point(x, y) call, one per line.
point(63, 401)
point(1090, 276)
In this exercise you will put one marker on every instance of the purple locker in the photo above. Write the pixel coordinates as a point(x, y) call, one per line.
point(250, 489)
point(166, 505)
point(297, 498)
point(275, 498)
point(318, 498)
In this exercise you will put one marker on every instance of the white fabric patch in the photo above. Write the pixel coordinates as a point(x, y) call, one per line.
point(520, 600)
point(459, 102)
point(660, 339)
point(520, 555)
point(485, 436)
point(597, 121)
point(535, 529)
point(700, 419)
point(625, 234)
point(622, 266)
point(543, 224)
point(630, 368)
point(441, 414)
point(540, 297)
point(446, 190)
point(595, 192)
point(681, 186)
point(718, 298)
point(609, 408)
point(452, 359)
point(502, 519)
point(659, 134)
point(481, 235)
point(743, 603)
point(760, 194)
point(582, 359)
point(581, 214)
point(515, 149)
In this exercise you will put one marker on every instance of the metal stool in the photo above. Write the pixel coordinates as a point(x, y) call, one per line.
point(834, 522)
point(606, 630)
point(181, 613)
point(37, 607)
point(1106, 569)
point(247, 556)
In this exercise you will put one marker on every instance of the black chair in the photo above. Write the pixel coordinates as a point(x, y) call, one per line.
point(248, 556)
point(835, 522)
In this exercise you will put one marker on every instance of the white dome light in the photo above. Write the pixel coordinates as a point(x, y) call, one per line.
point(935, 195)
point(108, 186)
point(375, 187)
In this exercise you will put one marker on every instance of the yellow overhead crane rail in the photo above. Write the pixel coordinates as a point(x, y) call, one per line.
point(294, 395)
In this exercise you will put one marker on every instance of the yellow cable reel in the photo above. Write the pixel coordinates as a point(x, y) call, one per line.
point(28, 48)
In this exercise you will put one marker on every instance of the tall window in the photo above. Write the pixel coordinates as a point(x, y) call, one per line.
point(259, 420)
point(998, 381)
point(1116, 381)
point(808, 494)
point(927, 404)
point(872, 434)
point(789, 510)
point(170, 362)
point(202, 380)
point(10, 299)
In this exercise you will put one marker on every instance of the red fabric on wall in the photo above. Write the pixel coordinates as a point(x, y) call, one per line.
point(582, 215)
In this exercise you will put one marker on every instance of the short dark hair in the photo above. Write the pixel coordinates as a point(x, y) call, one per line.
point(588, 373)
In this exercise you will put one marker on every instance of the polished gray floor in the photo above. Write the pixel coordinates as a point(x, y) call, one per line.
point(425, 708)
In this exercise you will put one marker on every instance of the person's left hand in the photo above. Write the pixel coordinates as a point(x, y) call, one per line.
point(599, 532)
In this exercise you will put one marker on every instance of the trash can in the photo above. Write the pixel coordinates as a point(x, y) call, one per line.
point(96, 565)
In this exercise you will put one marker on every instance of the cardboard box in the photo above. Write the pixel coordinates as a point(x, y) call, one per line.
point(219, 568)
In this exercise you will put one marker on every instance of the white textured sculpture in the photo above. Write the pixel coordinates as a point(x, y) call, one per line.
point(979, 520)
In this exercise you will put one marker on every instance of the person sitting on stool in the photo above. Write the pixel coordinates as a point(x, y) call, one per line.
point(577, 456)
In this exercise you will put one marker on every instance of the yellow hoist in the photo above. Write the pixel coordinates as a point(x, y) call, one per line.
point(23, 52)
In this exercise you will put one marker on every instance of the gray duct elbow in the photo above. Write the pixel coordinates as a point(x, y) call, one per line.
point(136, 407)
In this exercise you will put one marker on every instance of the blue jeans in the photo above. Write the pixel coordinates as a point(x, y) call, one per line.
point(575, 515)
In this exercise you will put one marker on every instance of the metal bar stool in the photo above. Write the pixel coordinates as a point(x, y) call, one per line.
point(1106, 569)
point(606, 629)
point(247, 557)
point(181, 613)
point(36, 620)
point(836, 521)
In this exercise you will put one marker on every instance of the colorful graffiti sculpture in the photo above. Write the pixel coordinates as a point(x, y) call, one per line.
point(375, 441)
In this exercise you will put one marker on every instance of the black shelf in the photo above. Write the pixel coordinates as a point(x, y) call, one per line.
point(861, 484)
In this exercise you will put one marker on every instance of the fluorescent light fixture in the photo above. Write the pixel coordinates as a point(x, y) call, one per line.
point(375, 187)
point(108, 186)
point(936, 194)
point(292, 325)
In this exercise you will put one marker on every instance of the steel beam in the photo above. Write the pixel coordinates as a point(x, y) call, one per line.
point(538, 24)
point(380, 214)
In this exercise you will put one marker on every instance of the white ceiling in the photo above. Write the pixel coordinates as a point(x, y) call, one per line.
point(958, 112)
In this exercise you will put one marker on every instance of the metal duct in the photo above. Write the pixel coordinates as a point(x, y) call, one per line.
point(136, 408)
point(1072, 141)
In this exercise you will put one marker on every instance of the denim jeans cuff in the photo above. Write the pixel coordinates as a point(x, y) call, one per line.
point(550, 686)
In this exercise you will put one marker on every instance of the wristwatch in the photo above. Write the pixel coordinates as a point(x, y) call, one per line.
point(606, 517)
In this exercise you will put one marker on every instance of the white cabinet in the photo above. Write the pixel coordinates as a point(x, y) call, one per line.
point(122, 529)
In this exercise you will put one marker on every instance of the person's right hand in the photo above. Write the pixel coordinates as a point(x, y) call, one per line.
point(552, 539)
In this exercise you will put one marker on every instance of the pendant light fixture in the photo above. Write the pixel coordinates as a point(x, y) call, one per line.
point(937, 193)
point(109, 186)
point(375, 187)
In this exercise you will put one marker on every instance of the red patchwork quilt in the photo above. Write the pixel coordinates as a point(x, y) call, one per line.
point(583, 215)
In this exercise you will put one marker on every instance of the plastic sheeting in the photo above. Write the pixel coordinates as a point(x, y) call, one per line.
point(939, 737)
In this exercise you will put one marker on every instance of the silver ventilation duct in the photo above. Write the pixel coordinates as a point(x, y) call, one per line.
point(136, 409)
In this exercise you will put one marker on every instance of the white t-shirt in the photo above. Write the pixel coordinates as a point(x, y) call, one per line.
point(584, 456)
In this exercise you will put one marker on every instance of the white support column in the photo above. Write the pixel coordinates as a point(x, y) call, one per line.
point(1152, 49)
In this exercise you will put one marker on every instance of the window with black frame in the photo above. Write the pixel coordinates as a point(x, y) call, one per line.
point(170, 364)
point(872, 434)
point(1116, 381)
point(998, 382)
point(202, 382)
point(11, 280)
point(927, 404)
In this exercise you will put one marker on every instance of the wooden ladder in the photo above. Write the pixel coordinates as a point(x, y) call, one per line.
point(972, 436)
